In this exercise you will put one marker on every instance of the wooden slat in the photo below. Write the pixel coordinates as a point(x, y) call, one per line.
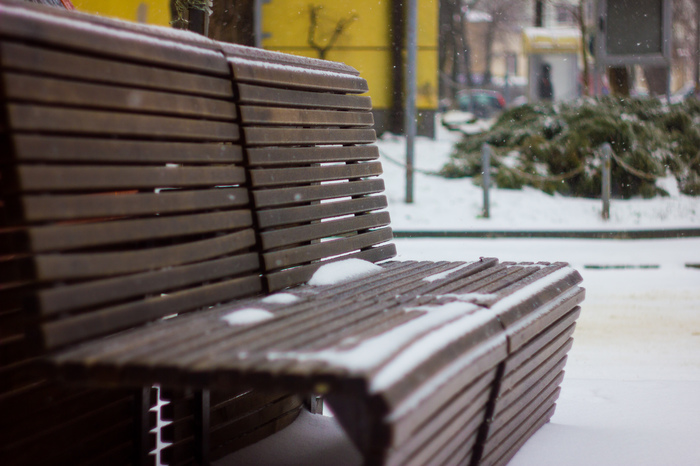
point(223, 432)
point(278, 238)
point(32, 118)
point(86, 265)
point(299, 117)
point(72, 207)
point(96, 292)
point(110, 320)
point(286, 278)
point(66, 237)
point(261, 136)
point(250, 94)
point(267, 56)
point(285, 156)
point(544, 374)
point(268, 177)
point(105, 178)
point(533, 394)
point(507, 433)
point(301, 194)
point(290, 257)
point(277, 75)
point(52, 91)
point(527, 429)
point(85, 37)
point(16, 56)
point(292, 215)
point(67, 149)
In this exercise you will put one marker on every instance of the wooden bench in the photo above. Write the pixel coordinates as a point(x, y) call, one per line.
point(165, 199)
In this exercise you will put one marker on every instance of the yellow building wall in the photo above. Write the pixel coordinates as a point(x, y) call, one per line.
point(145, 11)
point(364, 43)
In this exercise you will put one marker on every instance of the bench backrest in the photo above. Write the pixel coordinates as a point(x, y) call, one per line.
point(313, 174)
point(123, 177)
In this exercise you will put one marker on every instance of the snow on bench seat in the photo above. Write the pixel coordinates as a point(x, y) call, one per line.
point(405, 360)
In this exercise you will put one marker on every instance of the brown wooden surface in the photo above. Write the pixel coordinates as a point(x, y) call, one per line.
point(100, 178)
point(276, 75)
point(46, 29)
point(297, 215)
point(301, 194)
point(263, 136)
point(277, 238)
point(267, 56)
point(272, 156)
point(33, 118)
point(282, 176)
point(298, 117)
point(259, 95)
point(67, 237)
point(20, 57)
point(52, 91)
point(93, 151)
point(73, 207)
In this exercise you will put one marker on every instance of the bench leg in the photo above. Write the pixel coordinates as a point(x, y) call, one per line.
point(201, 426)
point(142, 426)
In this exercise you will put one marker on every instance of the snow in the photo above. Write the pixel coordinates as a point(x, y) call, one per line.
point(343, 271)
point(280, 298)
point(631, 394)
point(247, 316)
point(373, 352)
point(422, 348)
point(456, 204)
point(446, 273)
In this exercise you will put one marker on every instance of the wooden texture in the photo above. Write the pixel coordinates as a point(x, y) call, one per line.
point(407, 418)
point(67, 64)
point(282, 75)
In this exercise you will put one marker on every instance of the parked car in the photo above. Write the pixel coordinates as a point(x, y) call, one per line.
point(481, 103)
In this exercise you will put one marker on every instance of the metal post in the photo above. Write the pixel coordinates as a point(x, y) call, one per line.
point(486, 177)
point(410, 112)
point(607, 155)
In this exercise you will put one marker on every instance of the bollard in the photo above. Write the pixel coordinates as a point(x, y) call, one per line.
point(486, 177)
point(605, 195)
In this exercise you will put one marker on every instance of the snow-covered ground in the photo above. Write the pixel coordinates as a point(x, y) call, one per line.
point(456, 204)
point(631, 395)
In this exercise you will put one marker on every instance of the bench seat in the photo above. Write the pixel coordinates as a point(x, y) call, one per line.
point(381, 351)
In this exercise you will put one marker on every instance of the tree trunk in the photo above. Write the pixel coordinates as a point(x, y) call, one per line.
point(467, 53)
point(584, 49)
point(488, 56)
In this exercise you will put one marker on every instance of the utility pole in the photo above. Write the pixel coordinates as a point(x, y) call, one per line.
point(697, 48)
point(411, 88)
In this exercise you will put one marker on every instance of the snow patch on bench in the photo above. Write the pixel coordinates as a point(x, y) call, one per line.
point(247, 316)
point(408, 337)
point(446, 273)
point(531, 290)
point(343, 271)
point(280, 298)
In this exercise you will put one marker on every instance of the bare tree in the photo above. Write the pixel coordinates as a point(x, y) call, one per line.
point(506, 16)
point(340, 26)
